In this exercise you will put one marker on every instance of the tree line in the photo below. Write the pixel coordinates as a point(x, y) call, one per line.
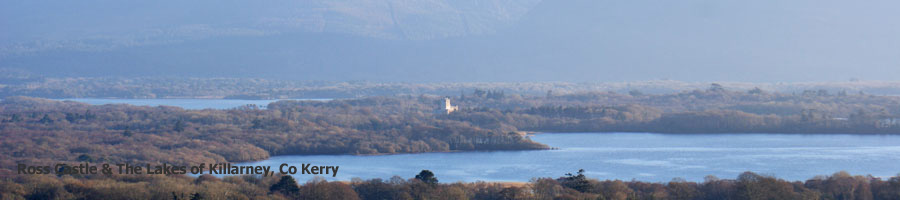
point(714, 110)
point(426, 185)
point(38, 131)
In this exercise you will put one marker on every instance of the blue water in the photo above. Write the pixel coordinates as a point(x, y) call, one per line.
point(624, 156)
point(638, 156)
point(184, 103)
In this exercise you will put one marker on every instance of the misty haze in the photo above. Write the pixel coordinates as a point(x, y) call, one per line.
point(450, 99)
point(435, 40)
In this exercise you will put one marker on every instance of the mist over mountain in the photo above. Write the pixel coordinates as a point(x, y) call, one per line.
point(444, 40)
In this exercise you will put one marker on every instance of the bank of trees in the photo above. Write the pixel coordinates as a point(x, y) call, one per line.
point(715, 110)
point(21, 83)
point(38, 130)
point(747, 186)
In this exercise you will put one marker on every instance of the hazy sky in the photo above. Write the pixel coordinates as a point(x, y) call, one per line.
point(457, 40)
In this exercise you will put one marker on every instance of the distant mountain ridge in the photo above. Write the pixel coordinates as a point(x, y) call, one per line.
point(456, 41)
point(98, 25)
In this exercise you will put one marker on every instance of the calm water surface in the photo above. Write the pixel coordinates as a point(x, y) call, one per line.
point(639, 156)
point(625, 156)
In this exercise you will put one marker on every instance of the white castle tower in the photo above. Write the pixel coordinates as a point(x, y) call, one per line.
point(447, 108)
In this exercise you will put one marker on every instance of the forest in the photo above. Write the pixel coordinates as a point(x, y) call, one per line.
point(427, 185)
point(15, 82)
point(41, 131)
point(712, 110)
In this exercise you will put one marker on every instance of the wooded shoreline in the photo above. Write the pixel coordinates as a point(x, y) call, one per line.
point(39, 131)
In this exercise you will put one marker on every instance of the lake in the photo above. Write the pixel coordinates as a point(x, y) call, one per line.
point(639, 156)
point(624, 156)
point(184, 103)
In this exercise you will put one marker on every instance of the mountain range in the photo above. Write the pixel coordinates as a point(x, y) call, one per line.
point(455, 40)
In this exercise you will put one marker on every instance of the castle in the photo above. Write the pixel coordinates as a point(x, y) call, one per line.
point(447, 108)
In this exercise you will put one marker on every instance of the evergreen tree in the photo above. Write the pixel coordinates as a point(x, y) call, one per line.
point(576, 181)
point(427, 176)
point(287, 185)
point(179, 126)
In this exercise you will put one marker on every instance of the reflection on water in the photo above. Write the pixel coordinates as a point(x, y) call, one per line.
point(639, 156)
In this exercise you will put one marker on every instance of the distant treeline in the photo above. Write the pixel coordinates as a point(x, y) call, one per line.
point(713, 110)
point(38, 130)
point(426, 185)
point(20, 83)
